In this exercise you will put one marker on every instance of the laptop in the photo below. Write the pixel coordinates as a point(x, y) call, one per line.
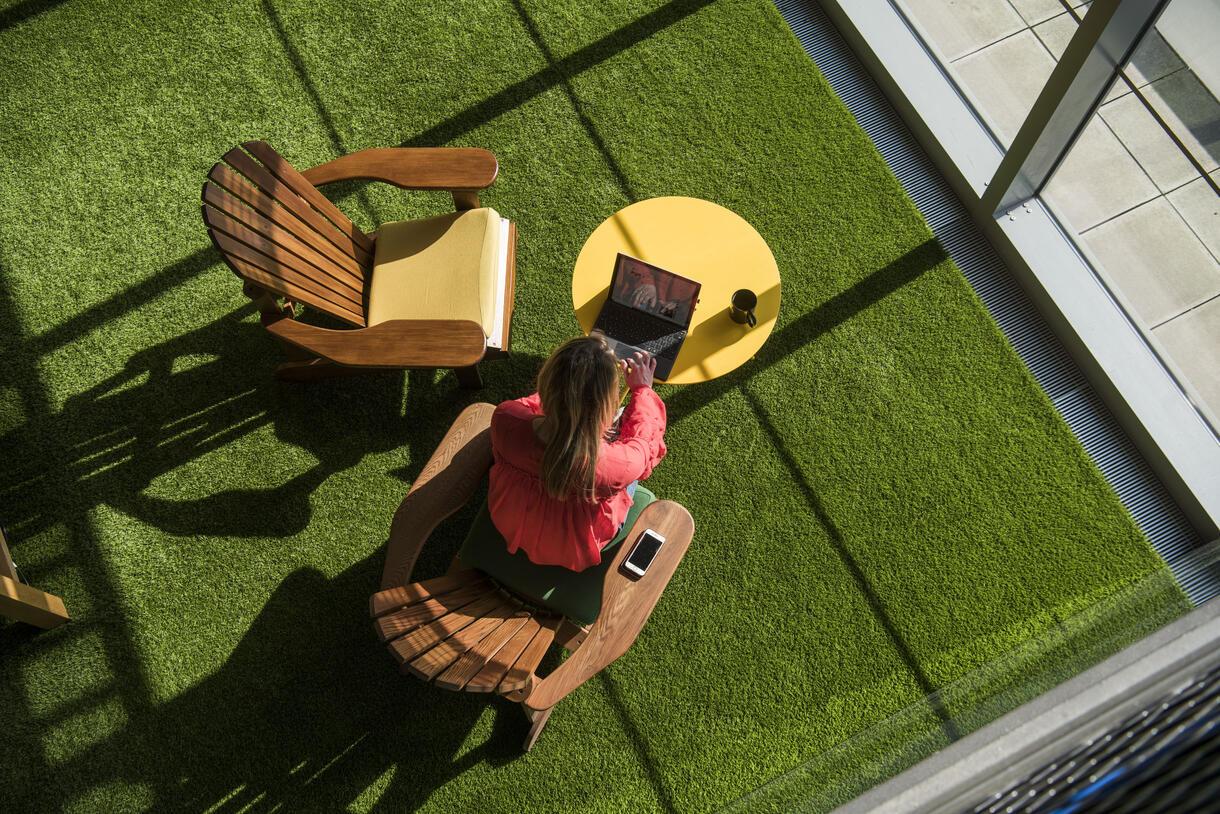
point(649, 309)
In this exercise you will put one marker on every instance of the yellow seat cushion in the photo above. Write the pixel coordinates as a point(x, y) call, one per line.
point(437, 268)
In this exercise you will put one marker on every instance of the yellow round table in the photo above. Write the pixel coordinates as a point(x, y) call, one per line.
point(696, 239)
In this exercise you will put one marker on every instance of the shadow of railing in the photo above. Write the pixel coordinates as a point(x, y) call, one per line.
point(315, 98)
point(556, 73)
point(578, 107)
point(305, 712)
point(20, 12)
point(807, 328)
point(1067, 648)
point(799, 334)
point(93, 588)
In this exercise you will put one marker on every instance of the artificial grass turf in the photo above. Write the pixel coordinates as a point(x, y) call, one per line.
point(884, 500)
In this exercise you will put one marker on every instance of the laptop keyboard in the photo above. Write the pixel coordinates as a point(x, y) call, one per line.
point(640, 331)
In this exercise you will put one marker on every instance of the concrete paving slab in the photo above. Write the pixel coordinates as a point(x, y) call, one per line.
point(1097, 180)
point(1191, 341)
point(1192, 112)
point(1153, 59)
point(1037, 11)
point(1056, 33)
point(1145, 139)
point(1199, 206)
point(959, 27)
point(1155, 262)
point(1004, 79)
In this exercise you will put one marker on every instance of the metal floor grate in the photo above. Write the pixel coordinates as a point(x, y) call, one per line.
point(1154, 510)
point(1162, 758)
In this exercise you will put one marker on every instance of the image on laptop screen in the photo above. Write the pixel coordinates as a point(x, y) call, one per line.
point(647, 288)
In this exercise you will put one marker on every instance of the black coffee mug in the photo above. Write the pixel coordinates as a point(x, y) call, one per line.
point(744, 303)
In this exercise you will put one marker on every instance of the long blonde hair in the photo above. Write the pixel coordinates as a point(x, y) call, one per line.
point(579, 387)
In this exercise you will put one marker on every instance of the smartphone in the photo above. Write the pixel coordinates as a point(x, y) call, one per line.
point(642, 555)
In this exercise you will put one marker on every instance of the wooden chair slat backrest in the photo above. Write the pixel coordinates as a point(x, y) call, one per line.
point(521, 674)
point(225, 177)
point(279, 233)
point(435, 661)
point(299, 206)
point(493, 672)
point(474, 660)
point(284, 281)
point(231, 216)
point(284, 171)
point(279, 262)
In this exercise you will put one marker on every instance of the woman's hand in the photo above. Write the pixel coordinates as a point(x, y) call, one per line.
point(640, 368)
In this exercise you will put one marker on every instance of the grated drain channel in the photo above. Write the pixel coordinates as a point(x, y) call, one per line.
point(1140, 490)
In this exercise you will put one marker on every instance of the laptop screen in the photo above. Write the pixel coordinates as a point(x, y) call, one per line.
point(653, 290)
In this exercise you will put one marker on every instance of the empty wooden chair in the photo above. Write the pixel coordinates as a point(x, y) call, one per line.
point(474, 629)
point(429, 293)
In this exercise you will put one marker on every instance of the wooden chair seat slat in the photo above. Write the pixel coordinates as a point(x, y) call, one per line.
point(285, 196)
point(403, 595)
point(522, 671)
point(279, 282)
point(475, 659)
point(259, 212)
point(409, 647)
point(284, 171)
point(492, 673)
point(282, 247)
point(393, 625)
point(438, 659)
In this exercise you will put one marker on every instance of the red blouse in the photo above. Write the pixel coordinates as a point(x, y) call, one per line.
point(570, 532)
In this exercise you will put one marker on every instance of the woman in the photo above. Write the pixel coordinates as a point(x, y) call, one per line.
point(558, 490)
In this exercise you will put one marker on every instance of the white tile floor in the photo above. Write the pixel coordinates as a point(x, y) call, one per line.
point(1004, 79)
point(1198, 205)
point(1191, 342)
point(1133, 196)
point(1143, 136)
point(1098, 180)
point(1192, 112)
point(1184, 277)
point(958, 27)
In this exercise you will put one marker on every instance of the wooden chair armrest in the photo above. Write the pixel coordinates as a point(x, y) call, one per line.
point(398, 343)
point(626, 604)
point(451, 168)
point(447, 481)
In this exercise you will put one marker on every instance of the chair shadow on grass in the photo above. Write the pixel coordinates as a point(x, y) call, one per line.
point(308, 703)
point(307, 712)
point(176, 402)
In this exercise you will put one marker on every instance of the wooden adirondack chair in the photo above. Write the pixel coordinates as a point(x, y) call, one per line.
point(467, 632)
point(430, 293)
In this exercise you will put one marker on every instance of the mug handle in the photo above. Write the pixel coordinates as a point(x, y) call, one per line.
point(750, 318)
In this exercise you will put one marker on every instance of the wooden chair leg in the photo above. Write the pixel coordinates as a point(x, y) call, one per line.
point(537, 724)
point(468, 377)
point(23, 603)
point(30, 605)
